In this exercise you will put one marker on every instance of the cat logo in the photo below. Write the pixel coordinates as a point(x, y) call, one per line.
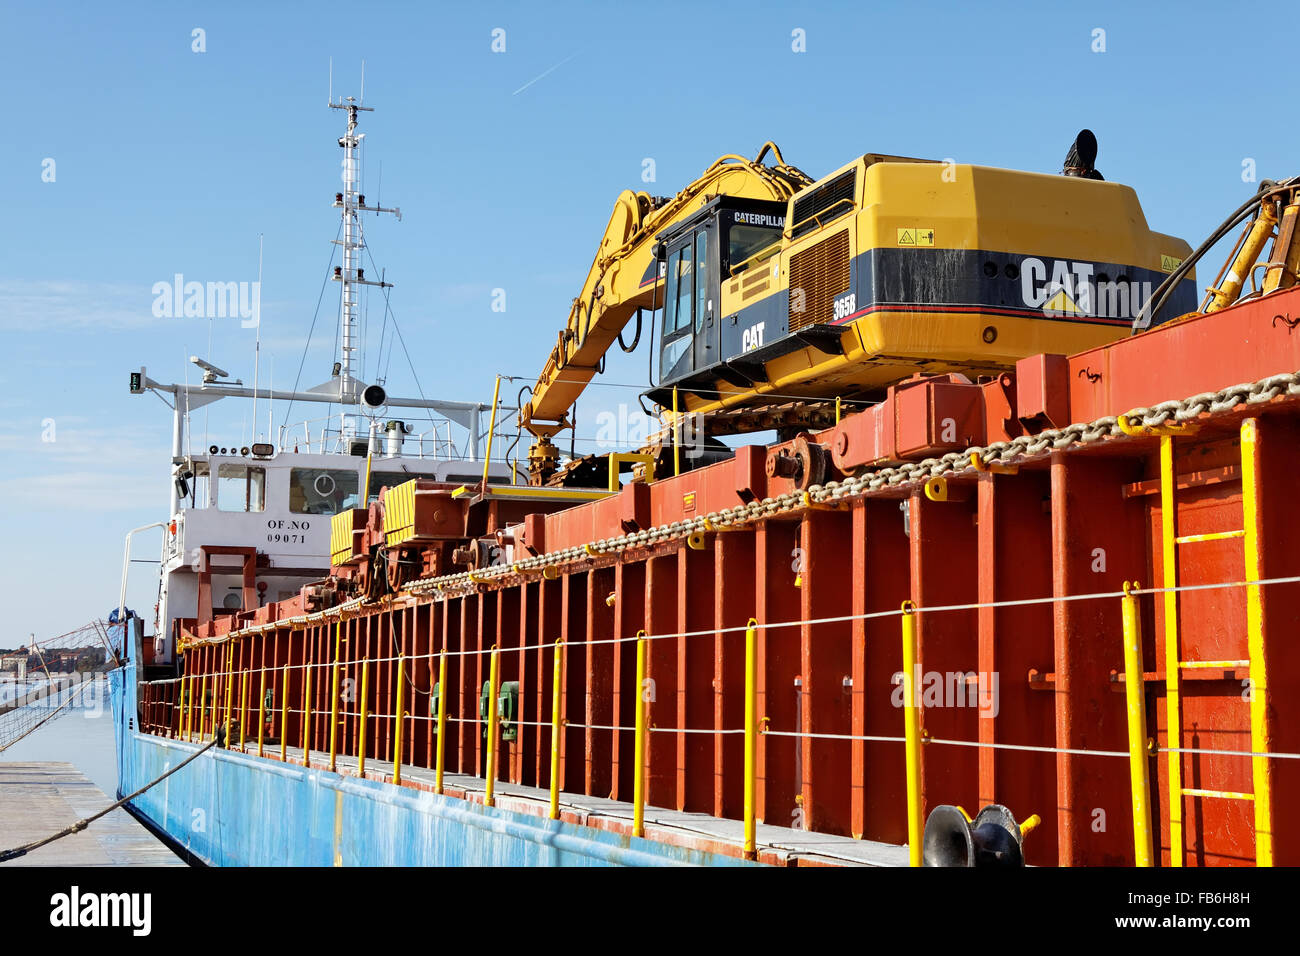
point(1066, 289)
point(1061, 304)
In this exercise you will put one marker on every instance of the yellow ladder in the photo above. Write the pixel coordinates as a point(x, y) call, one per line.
point(1174, 666)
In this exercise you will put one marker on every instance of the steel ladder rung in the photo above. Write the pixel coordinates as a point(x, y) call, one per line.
point(1171, 541)
point(1192, 665)
point(1221, 794)
point(1212, 536)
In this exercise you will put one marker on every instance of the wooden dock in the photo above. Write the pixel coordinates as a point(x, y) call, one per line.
point(38, 799)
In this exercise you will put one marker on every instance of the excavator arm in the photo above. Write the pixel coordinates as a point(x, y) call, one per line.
point(626, 277)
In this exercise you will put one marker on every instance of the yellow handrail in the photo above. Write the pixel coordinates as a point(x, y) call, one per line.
point(365, 715)
point(489, 798)
point(557, 678)
point(1173, 719)
point(397, 724)
point(638, 771)
point(442, 720)
point(203, 708)
point(334, 689)
point(616, 458)
point(1259, 737)
point(230, 690)
point(284, 717)
point(1135, 698)
point(492, 427)
point(912, 733)
point(306, 712)
point(261, 713)
point(751, 736)
point(245, 684)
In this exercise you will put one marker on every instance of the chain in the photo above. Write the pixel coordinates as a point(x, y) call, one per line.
point(1022, 448)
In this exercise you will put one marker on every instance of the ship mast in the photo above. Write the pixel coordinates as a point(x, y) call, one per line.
point(351, 274)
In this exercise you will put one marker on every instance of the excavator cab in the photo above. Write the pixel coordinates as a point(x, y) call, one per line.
point(728, 239)
point(892, 267)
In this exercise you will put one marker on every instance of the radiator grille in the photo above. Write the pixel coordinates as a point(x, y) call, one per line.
point(817, 276)
point(823, 204)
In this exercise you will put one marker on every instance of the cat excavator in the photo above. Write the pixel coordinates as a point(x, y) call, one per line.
point(776, 297)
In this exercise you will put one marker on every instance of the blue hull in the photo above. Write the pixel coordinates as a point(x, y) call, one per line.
point(231, 809)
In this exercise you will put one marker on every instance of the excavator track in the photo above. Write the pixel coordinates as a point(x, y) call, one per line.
point(786, 418)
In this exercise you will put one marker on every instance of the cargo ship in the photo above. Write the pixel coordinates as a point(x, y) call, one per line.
point(1010, 585)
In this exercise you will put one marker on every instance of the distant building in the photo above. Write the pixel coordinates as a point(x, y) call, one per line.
point(15, 663)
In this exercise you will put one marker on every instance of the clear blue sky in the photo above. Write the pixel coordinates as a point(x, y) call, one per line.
point(505, 166)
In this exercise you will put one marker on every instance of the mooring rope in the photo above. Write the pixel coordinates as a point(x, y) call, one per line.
point(6, 855)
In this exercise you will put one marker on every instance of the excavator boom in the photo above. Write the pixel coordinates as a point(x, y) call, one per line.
point(625, 277)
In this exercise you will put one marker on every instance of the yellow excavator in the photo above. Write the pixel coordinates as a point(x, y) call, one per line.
point(771, 291)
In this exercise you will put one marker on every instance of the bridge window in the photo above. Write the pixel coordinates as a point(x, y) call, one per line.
point(322, 491)
point(240, 487)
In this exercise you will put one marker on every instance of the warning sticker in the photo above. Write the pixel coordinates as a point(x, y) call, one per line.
point(1169, 263)
point(916, 237)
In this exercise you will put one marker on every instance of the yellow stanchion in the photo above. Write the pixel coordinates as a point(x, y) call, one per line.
point(397, 723)
point(189, 708)
point(1135, 698)
point(557, 684)
point(334, 698)
point(365, 718)
point(261, 713)
point(638, 770)
point(751, 736)
point(245, 684)
point(1173, 677)
point(912, 733)
point(306, 712)
point(203, 708)
point(491, 769)
point(230, 690)
point(492, 428)
point(442, 721)
point(1259, 730)
point(284, 717)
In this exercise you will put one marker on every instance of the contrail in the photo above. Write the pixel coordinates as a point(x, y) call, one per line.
point(547, 73)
